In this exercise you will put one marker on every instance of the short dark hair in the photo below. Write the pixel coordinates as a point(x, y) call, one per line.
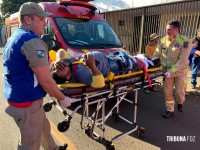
point(58, 80)
point(174, 23)
point(21, 18)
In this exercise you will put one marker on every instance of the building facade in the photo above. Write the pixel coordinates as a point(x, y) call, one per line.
point(135, 25)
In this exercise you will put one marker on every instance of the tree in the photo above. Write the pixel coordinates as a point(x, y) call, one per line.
point(1, 22)
point(9, 7)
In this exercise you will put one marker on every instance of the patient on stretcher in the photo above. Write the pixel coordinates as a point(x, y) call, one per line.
point(92, 67)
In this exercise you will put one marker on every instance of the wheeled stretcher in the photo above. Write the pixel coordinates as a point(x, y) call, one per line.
point(116, 87)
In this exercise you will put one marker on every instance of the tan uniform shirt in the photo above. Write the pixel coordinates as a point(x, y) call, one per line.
point(174, 55)
point(35, 51)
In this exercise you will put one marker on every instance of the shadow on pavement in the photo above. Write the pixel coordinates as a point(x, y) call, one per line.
point(150, 107)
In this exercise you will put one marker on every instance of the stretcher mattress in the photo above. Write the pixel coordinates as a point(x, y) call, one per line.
point(74, 89)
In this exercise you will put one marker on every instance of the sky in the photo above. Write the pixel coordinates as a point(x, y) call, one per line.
point(111, 5)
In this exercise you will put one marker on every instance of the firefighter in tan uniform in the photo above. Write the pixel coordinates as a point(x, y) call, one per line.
point(174, 51)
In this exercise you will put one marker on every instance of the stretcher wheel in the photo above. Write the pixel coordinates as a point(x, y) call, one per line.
point(88, 130)
point(63, 126)
point(110, 146)
point(140, 132)
point(47, 107)
point(116, 116)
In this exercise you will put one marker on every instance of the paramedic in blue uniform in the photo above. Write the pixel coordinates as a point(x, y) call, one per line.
point(27, 80)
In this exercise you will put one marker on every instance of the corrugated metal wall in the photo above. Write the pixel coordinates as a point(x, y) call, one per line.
point(134, 26)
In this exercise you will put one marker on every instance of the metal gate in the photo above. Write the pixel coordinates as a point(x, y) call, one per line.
point(135, 25)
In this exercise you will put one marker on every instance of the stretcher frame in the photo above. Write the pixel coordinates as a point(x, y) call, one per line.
point(118, 91)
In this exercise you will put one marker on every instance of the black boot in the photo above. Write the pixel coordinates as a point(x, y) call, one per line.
point(180, 107)
point(63, 147)
point(168, 114)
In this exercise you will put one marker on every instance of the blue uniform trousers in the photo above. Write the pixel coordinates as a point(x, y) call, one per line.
point(195, 68)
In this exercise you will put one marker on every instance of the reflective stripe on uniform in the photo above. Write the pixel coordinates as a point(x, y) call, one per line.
point(169, 101)
point(163, 64)
point(173, 69)
point(180, 40)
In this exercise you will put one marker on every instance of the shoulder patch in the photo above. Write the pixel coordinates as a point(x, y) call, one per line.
point(185, 45)
point(40, 53)
point(177, 45)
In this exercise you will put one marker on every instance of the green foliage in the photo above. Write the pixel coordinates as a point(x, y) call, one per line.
point(9, 7)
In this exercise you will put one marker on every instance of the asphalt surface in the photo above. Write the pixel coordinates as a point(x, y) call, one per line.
point(160, 133)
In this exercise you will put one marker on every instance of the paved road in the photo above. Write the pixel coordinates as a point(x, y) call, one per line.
point(159, 132)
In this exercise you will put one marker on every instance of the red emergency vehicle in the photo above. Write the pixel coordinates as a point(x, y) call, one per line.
point(76, 27)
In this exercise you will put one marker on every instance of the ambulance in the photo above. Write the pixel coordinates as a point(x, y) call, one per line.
point(75, 26)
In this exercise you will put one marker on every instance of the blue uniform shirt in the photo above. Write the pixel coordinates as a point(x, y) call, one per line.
point(23, 51)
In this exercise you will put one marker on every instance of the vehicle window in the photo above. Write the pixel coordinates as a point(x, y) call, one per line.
point(49, 30)
point(100, 30)
point(53, 43)
point(79, 33)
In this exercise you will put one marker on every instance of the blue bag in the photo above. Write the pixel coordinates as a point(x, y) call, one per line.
point(119, 61)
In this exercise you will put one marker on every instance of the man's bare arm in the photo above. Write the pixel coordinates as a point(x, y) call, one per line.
point(97, 77)
point(90, 62)
point(46, 81)
point(197, 52)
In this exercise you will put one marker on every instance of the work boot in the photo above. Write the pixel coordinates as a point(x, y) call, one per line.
point(63, 147)
point(168, 114)
point(180, 107)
